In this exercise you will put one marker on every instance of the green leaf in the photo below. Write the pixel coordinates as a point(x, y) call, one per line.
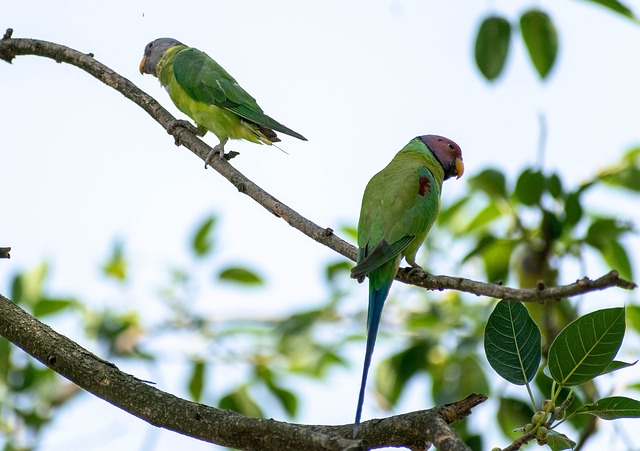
point(586, 347)
point(554, 186)
point(202, 242)
point(240, 401)
point(529, 187)
point(240, 275)
point(512, 342)
point(541, 39)
point(484, 216)
point(46, 306)
point(612, 408)
point(626, 177)
point(491, 181)
point(617, 365)
point(616, 6)
point(617, 257)
point(633, 316)
point(287, 399)
point(196, 381)
point(557, 441)
point(496, 258)
point(492, 46)
point(393, 373)
point(116, 266)
point(572, 209)
point(512, 414)
point(603, 230)
point(336, 269)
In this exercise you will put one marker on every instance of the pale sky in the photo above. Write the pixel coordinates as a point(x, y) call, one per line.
point(82, 166)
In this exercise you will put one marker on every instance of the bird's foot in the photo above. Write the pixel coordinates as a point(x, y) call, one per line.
point(218, 149)
point(415, 269)
point(178, 126)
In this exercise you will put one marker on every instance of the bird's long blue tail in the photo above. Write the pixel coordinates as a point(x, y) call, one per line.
point(376, 302)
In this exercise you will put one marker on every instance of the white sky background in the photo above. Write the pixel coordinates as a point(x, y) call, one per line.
point(82, 166)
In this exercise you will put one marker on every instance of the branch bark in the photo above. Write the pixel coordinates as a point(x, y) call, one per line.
point(223, 427)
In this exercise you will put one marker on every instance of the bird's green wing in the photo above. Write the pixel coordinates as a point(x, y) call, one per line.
point(206, 81)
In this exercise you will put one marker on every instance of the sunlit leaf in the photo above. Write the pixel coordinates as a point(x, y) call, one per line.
point(116, 266)
point(240, 401)
point(484, 216)
point(541, 39)
point(196, 381)
point(240, 275)
point(202, 241)
point(512, 342)
point(633, 316)
point(587, 346)
point(612, 408)
point(492, 46)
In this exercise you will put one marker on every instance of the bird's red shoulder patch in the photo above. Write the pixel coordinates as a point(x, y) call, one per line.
point(425, 186)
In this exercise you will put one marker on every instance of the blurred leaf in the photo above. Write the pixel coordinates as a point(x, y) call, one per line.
point(27, 288)
point(572, 209)
point(529, 187)
point(50, 306)
point(541, 39)
point(617, 257)
point(447, 213)
point(551, 226)
point(492, 46)
point(612, 408)
point(491, 181)
point(196, 381)
point(116, 266)
point(484, 216)
point(512, 414)
point(586, 347)
point(603, 230)
point(240, 401)
point(558, 442)
point(633, 316)
point(350, 231)
point(617, 365)
point(496, 258)
point(512, 342)
point(336, 269)
point(451, 381)
point(202, 242)
point(240, 275)
point(287, 399)
point(554, 186)
point(626, 177)
point(616, 6)
point(394, 372)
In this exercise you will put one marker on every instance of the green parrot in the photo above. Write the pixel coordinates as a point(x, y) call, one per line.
point(399, 206)
point(204, 91)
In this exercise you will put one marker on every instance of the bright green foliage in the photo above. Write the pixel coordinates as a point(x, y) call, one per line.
point(612, 408)
point(116, 266)
point(240, 275)
point(197, 380)
point(512, 343)
point(202, 242)
point(492, 46)
point(586, 347)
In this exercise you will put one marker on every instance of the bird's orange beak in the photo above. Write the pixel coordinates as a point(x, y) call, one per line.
point(459, 168)
point(144, 60)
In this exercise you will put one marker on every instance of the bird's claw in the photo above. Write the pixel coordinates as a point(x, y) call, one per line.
point(178, 126)
point(219, 149)
point(415, 270)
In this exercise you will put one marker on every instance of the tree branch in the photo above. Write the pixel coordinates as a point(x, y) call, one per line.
point(10, 48)
point(4, 252)
point(223, 427)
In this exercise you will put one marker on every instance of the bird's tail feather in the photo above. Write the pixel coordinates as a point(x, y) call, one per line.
point(376, 303)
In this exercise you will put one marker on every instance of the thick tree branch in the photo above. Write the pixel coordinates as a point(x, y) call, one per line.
point(223, 427)
point(10, 48)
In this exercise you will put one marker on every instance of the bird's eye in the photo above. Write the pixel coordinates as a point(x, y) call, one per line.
point(451, 146)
